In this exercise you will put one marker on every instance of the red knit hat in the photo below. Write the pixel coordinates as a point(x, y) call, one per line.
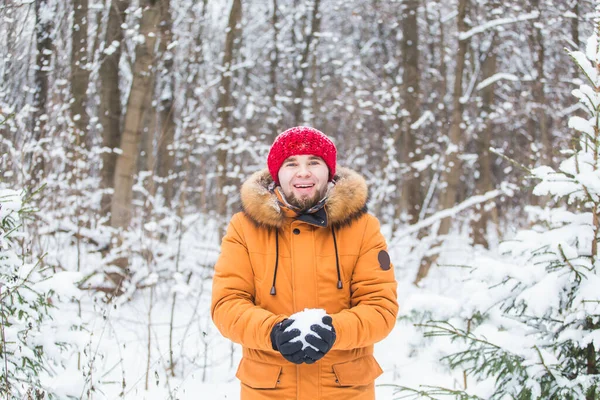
point(301, 140)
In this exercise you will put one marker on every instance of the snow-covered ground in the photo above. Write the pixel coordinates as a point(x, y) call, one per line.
point(124, 332)
point(143, 345)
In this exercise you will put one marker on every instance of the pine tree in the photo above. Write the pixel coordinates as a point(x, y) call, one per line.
point(530, 322)
point(35, 337)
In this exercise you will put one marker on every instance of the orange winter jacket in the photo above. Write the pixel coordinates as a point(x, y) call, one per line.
point(273, 264)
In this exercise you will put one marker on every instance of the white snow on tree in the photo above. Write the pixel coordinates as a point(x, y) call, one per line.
point(36, 340)
point(527, 325)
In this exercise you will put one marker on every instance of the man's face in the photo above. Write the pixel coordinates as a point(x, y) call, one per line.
point(303, 180)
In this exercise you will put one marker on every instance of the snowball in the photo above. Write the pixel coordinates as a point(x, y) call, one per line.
point(303, 320)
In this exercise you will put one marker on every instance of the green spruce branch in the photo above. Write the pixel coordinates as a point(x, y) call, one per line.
point(428, 392)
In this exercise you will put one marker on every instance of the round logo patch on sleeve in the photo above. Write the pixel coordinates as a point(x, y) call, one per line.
point(384, 260)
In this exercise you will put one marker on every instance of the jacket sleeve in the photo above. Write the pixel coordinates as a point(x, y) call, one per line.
point(232, 308)
point(373, 301)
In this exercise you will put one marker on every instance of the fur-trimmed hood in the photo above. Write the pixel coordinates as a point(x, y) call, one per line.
point(346, 202)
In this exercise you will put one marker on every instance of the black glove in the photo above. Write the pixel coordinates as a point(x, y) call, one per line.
point(291, 351)
point(323, 344)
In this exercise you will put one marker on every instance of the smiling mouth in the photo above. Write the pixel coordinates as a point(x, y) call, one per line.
point(307, 186)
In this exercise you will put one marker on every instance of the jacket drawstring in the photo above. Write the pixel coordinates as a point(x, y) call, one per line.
point(337, 261)
point(273, 291)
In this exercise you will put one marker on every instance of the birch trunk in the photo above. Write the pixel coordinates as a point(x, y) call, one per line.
point(141, 88)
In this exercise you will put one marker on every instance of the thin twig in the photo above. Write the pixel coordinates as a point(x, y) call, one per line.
point(543, 362)
point(465, 371)
point(4, 344)
point(148, 360)
point(8, 117)
point(566, 260)
point(510, 160)
point(453, 331)
point(172, 319)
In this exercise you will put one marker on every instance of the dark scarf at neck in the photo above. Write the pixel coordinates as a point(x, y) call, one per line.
point(316, 215)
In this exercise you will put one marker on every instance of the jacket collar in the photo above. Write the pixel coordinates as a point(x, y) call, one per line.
point(345, 202)
point(316, 215)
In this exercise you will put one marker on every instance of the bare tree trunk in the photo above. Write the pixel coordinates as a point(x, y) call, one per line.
point(538, 119)
point(80, 74)
point(575, 23)
point(166, 138)
point(303, 66)
point(483, 166)
point(539, 122)
point(382, 39)
point(225, 105)
point(110, 96)
point(195, 62)
point(96, 42)
point(41, 81)
point(452, 168)
point(273, 70)
point(194, 69)
point(443, 68)
point(141, 88)
point(411, 198)
point(314, 85)
point(146, 160)
point(431, 32)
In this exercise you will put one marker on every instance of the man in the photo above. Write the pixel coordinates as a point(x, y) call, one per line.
point(305, 241)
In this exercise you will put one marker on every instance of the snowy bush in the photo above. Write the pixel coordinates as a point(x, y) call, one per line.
point(526, 325)
point(35, 339)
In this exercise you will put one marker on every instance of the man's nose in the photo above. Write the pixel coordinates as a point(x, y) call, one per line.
point(303, 170)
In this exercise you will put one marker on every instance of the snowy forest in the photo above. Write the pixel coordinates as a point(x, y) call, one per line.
point(128, 126)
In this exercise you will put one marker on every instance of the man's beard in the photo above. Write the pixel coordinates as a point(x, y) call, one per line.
point(305, 203)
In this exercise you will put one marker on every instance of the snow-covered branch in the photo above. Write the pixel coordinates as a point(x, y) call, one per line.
point(470, 202)
point(427, 116)
point(497, 22)
point(495, 78)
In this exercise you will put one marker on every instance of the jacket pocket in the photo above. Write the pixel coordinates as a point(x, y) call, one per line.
point(361, 371)
point(258, 375)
